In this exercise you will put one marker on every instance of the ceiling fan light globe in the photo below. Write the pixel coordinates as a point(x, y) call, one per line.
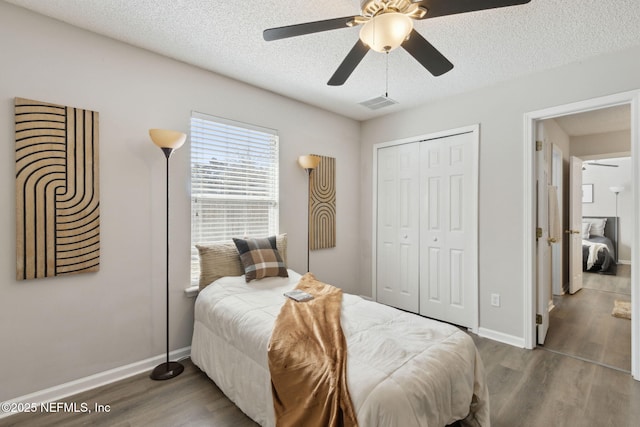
point(386, 32)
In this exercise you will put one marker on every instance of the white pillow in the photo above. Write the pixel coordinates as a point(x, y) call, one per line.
point(597, 226)
point(586, 226)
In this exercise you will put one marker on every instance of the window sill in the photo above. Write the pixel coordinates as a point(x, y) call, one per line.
point(192, 291)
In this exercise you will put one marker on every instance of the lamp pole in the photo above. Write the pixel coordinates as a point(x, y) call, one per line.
point(617, 220)
point(168, 141)
point(309, 170)
point(309, 162)
point(616, 191)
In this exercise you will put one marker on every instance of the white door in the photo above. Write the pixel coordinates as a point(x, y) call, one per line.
point(448, 229)
point(397, 280)
point(574, 233)
point(556, 247)
point(543, 248)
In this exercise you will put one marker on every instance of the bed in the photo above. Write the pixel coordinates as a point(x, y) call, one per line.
point(598, 244)
point(402, 369)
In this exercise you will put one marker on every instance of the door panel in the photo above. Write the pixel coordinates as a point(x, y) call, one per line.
point(434, 284)
point(575, 224)
point(448, 233)
point(543, 248)
point(556, 247)
point(457, 278)
point(397, 272)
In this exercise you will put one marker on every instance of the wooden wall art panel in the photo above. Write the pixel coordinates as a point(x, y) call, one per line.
point(322, 211)
point(57, 192)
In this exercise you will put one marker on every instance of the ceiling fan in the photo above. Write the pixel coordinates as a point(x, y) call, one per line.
point(387, 25)
point(597, 164)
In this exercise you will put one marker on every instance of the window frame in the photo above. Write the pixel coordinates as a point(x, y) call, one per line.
point(241, 182)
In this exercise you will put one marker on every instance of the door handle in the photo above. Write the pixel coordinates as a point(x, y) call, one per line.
point(552, 240)
point(572, 231)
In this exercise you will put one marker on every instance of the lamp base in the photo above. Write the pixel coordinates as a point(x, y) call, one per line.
point(166, 371)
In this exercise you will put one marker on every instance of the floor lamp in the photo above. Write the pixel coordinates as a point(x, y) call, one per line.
point(168, 141)
point(309, 162)
point(617, 191)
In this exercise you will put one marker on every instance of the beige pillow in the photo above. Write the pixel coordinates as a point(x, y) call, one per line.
point(222, 259)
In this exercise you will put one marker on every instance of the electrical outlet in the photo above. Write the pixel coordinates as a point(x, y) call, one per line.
point(495, 300)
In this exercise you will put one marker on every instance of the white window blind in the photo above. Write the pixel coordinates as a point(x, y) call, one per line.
point(234, 182)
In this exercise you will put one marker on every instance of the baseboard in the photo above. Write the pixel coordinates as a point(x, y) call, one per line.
point(624, 261)
point(501, 337)
point(61, 391)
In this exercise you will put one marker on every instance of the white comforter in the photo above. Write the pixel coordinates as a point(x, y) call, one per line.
point(403, 370)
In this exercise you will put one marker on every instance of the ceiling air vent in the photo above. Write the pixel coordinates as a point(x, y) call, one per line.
point(378, 103)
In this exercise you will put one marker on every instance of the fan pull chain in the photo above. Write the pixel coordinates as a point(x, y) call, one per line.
point(386, 87)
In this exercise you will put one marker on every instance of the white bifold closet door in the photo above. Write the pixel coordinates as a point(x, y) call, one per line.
point(398, 227)
point(448, 229)
point(426, 240)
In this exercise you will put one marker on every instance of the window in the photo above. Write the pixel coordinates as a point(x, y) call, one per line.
point(234, 182)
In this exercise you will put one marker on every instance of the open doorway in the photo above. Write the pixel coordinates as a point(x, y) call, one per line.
point(533, 306)
point(591, 324)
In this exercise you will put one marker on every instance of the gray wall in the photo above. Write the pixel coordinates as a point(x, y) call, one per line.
point(499, 110)
point(604, 201)
point(60, 329)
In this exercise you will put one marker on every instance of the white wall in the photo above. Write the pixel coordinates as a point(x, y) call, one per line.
point(604, 201)
point(60, 329)
point(499, 110)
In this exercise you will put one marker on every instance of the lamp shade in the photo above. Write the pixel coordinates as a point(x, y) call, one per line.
point(167, 138)
point(309, 161)
point(617, 189)
point(386, 31)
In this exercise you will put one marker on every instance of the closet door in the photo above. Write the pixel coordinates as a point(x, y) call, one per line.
point(397, 250)
point(448, 229)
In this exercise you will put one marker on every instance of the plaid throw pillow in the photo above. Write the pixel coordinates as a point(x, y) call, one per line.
point(260, 258)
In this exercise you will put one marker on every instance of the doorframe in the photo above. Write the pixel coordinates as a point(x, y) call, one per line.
point(631, 98)
point(475, 129)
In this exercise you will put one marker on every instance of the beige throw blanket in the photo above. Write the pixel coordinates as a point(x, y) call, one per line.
point(308, 360)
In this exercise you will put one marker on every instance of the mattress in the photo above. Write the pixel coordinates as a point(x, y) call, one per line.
point(402, 369)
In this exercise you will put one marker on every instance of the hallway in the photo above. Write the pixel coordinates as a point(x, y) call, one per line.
point(581, 325)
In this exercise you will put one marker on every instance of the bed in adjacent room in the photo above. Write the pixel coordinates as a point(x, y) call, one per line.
point(599, 244)
point(402, 369)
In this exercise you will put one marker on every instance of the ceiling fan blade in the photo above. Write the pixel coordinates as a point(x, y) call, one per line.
point(353, 58)
point(437, 8)
point(306, 28)
point(426, 54)
point(601, 164)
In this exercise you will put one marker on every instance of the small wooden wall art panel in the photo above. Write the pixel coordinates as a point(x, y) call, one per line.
point(323, 205)
point(57, 193)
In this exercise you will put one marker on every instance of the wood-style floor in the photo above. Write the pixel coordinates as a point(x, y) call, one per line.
point(581, 324)
point(534, 388)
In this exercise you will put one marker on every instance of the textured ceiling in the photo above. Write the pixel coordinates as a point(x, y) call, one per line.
point(485, 47)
